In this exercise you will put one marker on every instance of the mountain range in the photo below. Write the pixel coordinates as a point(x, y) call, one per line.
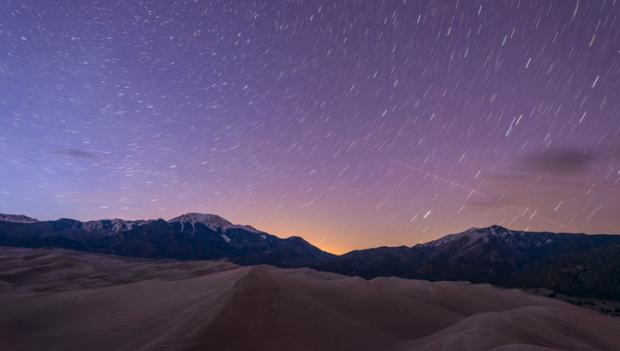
point(190, 236)
point(580, 265)
point(572, 264)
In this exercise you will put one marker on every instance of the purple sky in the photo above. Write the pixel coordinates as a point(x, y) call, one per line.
point(351, 123)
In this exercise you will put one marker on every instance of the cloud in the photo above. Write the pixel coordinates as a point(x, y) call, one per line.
point(77, 153)
point(520, 181)
point(557, 161)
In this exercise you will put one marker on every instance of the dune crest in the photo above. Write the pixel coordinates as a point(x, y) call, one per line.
point(65, 300)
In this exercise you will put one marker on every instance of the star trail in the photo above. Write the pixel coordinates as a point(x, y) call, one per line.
point(351, 123)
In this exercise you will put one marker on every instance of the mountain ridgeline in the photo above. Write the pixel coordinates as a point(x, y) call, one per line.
point(191, 236)
point(572, 264)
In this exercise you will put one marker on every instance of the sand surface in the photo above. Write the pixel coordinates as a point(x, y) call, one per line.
point(65, 300)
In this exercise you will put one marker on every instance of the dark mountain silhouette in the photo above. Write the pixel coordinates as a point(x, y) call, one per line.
point(191, 236)
point(16, 218)
point(572, 264)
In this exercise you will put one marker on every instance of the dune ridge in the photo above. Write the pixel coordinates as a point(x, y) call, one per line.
point(64, 300)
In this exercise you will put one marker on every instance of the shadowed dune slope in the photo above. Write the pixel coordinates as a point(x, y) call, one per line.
point(65, 300)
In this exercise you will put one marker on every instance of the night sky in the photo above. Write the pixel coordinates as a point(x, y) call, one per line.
point(351, 123)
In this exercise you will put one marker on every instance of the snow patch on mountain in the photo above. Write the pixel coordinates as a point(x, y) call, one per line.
point(213, 222)
point(495, 232)
point(115, 225)
point(474, 235)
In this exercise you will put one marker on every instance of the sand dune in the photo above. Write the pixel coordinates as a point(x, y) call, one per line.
point(64, 300)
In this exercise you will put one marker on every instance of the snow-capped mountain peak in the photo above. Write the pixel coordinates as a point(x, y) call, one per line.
point(475, 234)
point(212, 221)
point(115, 225)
